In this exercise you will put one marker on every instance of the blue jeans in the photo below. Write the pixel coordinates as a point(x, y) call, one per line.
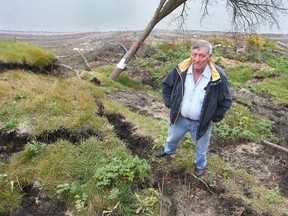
point(179, 129)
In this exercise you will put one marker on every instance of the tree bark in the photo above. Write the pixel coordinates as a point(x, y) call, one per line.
point(162, 11)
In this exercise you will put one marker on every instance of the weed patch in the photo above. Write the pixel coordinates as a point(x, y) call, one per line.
point(240, 124)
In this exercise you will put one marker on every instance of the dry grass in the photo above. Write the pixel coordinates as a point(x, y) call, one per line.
point(17, 52)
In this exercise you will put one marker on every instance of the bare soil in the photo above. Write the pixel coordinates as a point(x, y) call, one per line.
point(187, 195)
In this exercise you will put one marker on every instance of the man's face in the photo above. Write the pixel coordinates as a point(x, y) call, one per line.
point(199, 58)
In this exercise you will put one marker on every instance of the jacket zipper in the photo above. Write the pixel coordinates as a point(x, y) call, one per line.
point(177, 69)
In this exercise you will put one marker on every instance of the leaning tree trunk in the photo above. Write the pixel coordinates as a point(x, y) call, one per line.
point(165, 7)
point(133, 49)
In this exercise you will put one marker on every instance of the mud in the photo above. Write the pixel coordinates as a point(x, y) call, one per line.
point(189, 196)
point(64, 133)
point(45, 206)
point(24, 66)
point(140, 102)
point(269, 164)
point(15, 140)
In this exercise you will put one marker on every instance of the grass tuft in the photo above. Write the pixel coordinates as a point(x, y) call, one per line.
point(21, 53)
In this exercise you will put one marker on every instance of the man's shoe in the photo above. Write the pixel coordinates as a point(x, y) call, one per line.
point(160, 154)
point(198, 172)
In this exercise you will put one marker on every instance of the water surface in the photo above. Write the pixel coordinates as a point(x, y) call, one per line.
point(109, 15)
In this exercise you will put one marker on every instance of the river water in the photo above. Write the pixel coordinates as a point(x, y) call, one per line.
point(110, 15)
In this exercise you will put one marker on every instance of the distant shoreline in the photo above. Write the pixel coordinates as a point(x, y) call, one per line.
point(127, 31)
point(62, 42)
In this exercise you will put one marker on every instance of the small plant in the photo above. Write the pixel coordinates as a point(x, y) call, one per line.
point(38, 185)
point(33, 149)
point(118, 170)
point(241, 124)
point(255, 41)
point(114, 193)
point(10, 198)
point(20, 95)
point(80, 201)
point(274, 196)
point(12, 123)
point(61, 188)
point(68, 190)
point(227, 169)
point(145, 202)
point(213, 184)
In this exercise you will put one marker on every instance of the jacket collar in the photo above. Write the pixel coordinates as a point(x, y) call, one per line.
point(183, 66)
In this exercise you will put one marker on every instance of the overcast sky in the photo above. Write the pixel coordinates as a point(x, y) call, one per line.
point(109, 15)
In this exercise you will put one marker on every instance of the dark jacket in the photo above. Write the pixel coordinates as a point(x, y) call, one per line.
point(217, 99)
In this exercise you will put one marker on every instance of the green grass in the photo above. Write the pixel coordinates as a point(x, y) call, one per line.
point(273, 84)
point(99, 174)
point(49, 102)
point(264, 73)
point(279, 63)
point(240, 74)
point(73, 173)
point(11, 196)
point(17, 52)
point(275, 87)
point(94, 173)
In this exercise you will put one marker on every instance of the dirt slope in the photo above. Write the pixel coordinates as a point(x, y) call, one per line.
point(188, 197)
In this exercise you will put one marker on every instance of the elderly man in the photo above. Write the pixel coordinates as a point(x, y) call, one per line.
point(197, 92)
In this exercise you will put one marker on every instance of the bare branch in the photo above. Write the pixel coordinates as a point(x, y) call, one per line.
point(206, 185)
point(248, 15)
point(204, 7)
point(86, 62)
point(182, 17)
point(275, 146)
point(69, 68)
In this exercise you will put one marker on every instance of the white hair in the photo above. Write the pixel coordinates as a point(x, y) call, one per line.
point(202, 43)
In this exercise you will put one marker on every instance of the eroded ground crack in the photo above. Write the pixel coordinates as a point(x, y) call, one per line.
point(48, 206)
point(15, 140)
point(138, 144)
